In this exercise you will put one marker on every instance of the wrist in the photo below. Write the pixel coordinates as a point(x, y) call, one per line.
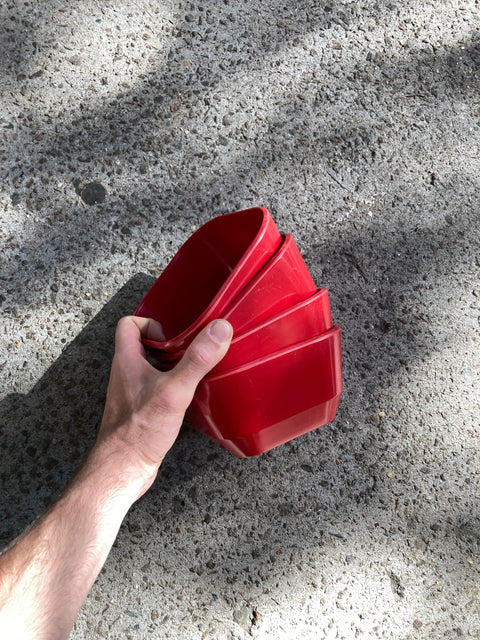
point(118, 468)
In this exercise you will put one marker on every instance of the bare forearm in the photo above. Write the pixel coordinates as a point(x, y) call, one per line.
point(47, 574)
point(45, 577)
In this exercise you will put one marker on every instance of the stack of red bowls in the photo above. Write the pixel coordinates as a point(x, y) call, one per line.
point(281, 376)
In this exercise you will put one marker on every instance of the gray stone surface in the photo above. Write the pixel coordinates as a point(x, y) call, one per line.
point(358, 125)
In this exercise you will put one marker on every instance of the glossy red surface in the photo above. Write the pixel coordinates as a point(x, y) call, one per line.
point(207, 273)
point(261, 405)
point(284, 281)
point(310, 317)
point(282, 374)
point(281, 284)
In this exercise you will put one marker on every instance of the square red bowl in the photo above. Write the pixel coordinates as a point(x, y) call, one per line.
point(282, 282)
point(207, 273)
point(305, 320)
point(260, 405)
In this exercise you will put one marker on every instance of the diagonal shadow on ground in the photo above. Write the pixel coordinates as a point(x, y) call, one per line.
point(45, 433)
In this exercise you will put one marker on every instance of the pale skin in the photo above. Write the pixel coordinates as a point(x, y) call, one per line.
point(47, 573)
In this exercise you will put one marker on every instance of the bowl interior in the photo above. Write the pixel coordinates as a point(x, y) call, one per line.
point(199, 270)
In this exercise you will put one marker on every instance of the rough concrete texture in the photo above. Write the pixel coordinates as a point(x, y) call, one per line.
point(358, 125)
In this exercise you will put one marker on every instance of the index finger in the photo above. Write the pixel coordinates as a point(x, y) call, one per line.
point(132, 329)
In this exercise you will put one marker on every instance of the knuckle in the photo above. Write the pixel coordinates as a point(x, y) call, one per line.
point(200, 357)
point(123, 321)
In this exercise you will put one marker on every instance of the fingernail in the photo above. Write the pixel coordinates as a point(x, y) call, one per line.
point(220, 331)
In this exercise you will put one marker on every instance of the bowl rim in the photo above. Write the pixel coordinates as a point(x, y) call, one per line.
point(334, 332)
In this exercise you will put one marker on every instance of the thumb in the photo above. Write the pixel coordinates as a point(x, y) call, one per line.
point(204, 353)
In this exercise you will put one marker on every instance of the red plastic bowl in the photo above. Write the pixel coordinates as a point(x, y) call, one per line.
point(269, 401)
point(305, 320)
point(284, 281)
point(207, 273)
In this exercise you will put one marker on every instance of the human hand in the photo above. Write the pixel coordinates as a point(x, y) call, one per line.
point(40, 592)
point(144, 407)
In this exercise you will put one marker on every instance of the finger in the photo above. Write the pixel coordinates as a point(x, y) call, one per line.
point(131, 330)
point(149, 328)
point(204, 353)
